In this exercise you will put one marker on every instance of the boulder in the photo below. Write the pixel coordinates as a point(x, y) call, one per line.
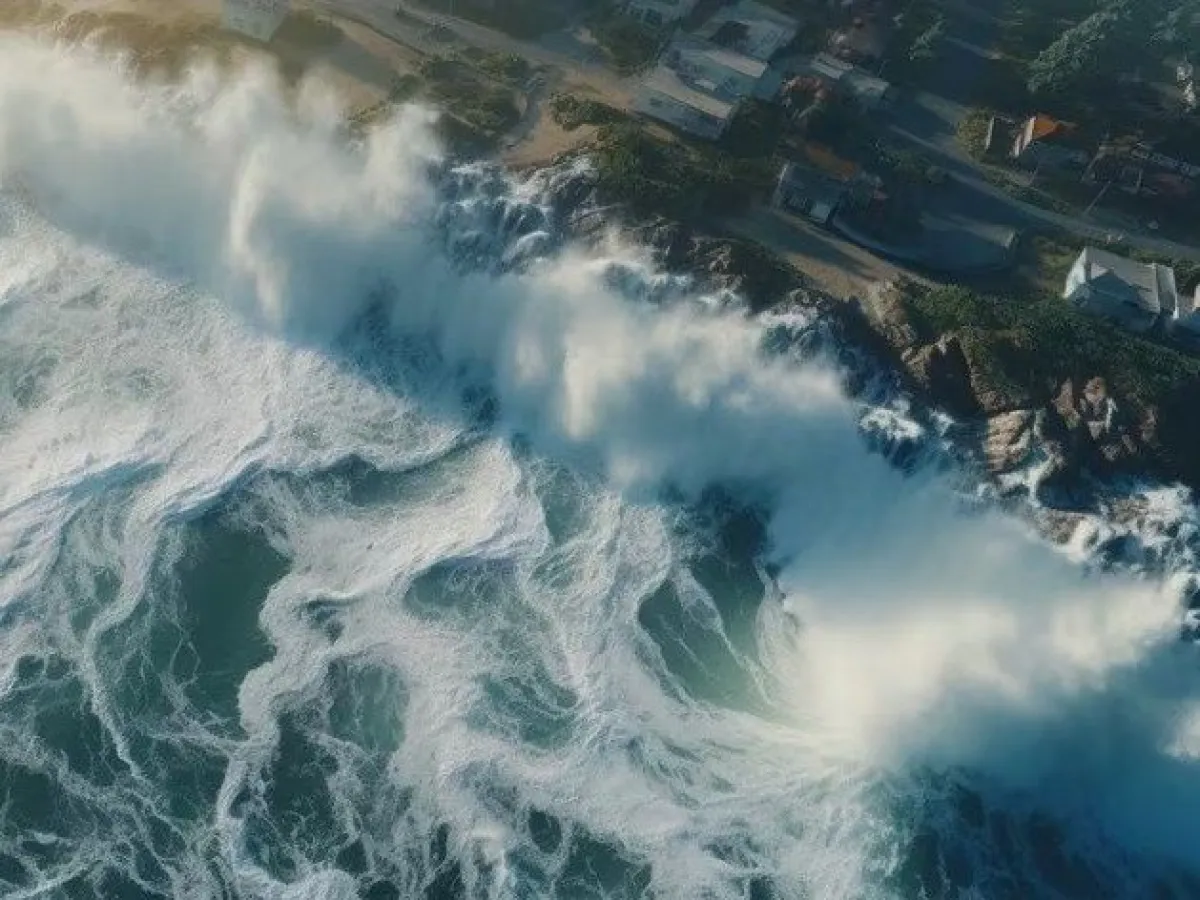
point(1008, 441)
point(941, 370)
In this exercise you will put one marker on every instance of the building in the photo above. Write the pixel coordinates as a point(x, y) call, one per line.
point(869, 91)
point(1186, 324)
point(1136, 295)
point(690, 106)
point(1045, 141)
point(257, 19)
point(751, 28)
point(808, 192)
point(731, 73)
point(1145, 171)
point(658, 13)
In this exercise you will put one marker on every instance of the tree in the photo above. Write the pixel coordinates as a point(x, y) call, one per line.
point(1119, 37)
point(928, 43)
point(1085, 54)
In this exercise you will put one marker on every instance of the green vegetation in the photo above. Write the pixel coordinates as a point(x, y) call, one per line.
point(916, 44)
point(628, 45)
point(503, 66)
point(478, 102)
point(1030, 347)
point(570, 112)
point(658, 176)
point(973, 132)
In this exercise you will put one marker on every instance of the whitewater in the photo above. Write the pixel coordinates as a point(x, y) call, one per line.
point(362, 537)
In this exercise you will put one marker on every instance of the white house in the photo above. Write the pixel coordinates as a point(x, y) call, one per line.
point(258, 19)
point(658, 13)
point(751, 28)
point(734, 74)
point(1186, 323)
point(689, 106)
point(1134, 294)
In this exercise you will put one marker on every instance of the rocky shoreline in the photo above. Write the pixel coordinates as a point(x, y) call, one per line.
point(1083, 436)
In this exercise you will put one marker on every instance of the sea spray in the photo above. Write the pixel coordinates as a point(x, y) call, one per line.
point(299, 607)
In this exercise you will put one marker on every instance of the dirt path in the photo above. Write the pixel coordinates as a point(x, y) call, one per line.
point(837, 266)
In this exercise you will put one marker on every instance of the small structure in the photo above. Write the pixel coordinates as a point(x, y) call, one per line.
point(1136, 295)
point(693, 107)
point(809, 192)
point(658, 13)
point(752, 28)
point(1045, 141)
point(869, 91)
point(734, 74)
point(1143, 170)
point(257, 19)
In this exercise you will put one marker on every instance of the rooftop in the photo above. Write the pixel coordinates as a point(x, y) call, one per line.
point(765, 30)
point(1154, 284)
point(667, 82)
point(859, 81)
point(720, 56)
point(797, 178)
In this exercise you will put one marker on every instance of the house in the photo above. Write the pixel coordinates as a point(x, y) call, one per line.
point(658, 13)
point(1136, 295)
point(734, 74)
point(1186, 324)
point(1045, 141)
point(1144, 170)
point(693, 107)
point(869, 91)
point(757, 30)
point(257, 19)
point(808, 192)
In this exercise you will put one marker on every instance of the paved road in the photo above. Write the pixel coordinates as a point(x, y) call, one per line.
point(413, 28)
point(924, 120)
point(929, 122)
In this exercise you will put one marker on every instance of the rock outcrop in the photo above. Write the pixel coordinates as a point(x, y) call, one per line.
point(1081, 424)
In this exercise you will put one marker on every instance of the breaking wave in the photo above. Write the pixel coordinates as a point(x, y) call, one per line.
point(359, 536)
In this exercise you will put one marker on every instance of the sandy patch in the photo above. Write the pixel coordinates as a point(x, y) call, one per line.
point(165, 37)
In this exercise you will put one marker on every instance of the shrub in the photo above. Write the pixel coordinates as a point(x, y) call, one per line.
point(570, 112)
point(629, 45)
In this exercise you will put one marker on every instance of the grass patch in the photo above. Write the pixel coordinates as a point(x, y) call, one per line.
point(972, 132)
point(674, 178)
point(628, 45)
point(570, 112)
point(478, 102)
point(1032, 345)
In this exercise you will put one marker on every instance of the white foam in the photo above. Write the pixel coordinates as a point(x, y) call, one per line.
point(198, 251)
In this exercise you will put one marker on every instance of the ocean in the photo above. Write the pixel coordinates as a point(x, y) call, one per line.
point(361, 535)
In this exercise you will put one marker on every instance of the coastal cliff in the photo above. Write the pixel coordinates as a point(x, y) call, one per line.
point(1038, 376)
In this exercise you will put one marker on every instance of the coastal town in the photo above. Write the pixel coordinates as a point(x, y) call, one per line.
point(834, 116)
point(1023, 254)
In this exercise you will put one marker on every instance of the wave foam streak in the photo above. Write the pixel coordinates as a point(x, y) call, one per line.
point(410, 578)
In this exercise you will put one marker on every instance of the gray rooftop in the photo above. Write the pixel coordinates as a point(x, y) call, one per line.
point(721, 56)
point(1109, 273)
point(667, 82)
point(767, 30)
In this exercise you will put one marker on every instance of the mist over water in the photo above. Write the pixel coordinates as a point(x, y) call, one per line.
point(357, 539)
